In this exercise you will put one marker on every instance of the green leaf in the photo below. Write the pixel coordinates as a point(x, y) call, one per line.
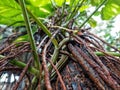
point(92, 22)
point(18, 20)
point(116, 1)
point(59, 2)
point(22, 38)
point(97, 13)
point(83, 8)
point(96, 2)
point(111, 9)
point(71, 2)
point(10, 12)
point(25, 37)
point(38, 3)
point(9, 8)
point(41, 9)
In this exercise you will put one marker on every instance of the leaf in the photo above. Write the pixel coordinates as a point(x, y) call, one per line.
point(59, 2)
point(9, 8)
point(111, 9)
point(96, 2)
point(116, 1)
point(92, 22)
point(25, 37)
point(42, 9)
point(15, 21)
point(71, 2)
point(10, 12)
point(83, 8)
point(97, 13)
point(39, 3)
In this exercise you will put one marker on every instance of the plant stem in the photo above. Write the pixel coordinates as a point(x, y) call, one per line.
point(93, 13)
point(61, 62)
point(111, 53)
point(20, 64)
point(56, 52)
point(44, 28)
point(76, 9)
point(29, 31)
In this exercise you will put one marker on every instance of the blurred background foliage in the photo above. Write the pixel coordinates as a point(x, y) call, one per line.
point(11, 16)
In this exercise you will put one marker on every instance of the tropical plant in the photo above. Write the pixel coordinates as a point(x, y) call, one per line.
point(42, 37)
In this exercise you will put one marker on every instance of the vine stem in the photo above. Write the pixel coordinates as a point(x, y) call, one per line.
point(44, 28)
point(22, 65)
point(103, 2)
point(29, 31)
point(110, 53)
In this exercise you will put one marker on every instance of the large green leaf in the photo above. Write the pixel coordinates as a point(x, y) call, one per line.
point(10, 12)
point(83, 8)
point(38, 3)
point(96, 2)
point(41, 11)
point(17, 20)
point(111, 9)
point(9, 8)
point(59, 2)
point(116, 1)
point(41, 8)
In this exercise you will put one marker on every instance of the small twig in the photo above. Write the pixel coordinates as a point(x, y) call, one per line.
point(95, 42)
point(13, 54)
point(10, 68)
point(41, 43)
point(60, 78)
point(104, 41)
point(60, 64)
point(7, 48)
point(22, 75)
point(59, 27)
